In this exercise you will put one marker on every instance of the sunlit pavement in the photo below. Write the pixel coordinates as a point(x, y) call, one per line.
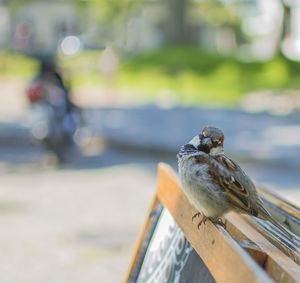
point(72, 225)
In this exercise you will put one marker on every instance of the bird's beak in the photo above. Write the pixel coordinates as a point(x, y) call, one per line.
point(205, 145)
point(207, 142)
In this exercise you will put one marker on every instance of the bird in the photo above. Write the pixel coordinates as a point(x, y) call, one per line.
point(215, 184)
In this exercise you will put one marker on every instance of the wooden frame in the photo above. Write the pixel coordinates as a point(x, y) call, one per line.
point(143, 240)
point(244, 242)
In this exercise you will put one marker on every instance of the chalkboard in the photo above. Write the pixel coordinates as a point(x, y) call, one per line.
point(169, 256)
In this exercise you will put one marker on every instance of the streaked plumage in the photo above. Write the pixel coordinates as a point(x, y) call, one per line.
point(214, 183)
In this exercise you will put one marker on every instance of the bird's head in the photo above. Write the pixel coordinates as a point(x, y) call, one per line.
point(210, 141)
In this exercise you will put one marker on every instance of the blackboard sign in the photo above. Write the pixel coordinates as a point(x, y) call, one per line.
point(169, 257)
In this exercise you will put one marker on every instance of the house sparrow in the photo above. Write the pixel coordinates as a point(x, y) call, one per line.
point(215, 184)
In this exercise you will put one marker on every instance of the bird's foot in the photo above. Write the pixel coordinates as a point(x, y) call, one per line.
point(195, 215)
point(203, 220)
point(219, 221)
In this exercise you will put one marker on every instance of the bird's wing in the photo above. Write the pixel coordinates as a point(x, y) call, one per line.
point(224, 172)
point(241, 193)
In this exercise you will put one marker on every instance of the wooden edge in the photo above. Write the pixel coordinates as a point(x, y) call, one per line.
point(138, 253)
point(255, 252)
point(217, 249)
point(280, 267)
point(290, 247)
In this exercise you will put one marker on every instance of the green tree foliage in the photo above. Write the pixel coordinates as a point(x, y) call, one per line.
point(216, 12)
point(109, 11)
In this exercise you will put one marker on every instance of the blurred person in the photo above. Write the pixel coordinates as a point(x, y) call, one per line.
point(49, 74)
point(55, 121)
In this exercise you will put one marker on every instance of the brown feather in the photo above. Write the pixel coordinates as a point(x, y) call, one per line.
point(222, 169)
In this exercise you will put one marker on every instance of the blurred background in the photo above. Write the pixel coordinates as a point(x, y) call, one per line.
point(94, 93)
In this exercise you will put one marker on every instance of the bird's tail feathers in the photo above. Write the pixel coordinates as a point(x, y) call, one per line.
point(265, 215)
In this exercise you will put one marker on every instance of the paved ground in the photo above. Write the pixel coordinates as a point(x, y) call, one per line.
point(73, 224)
